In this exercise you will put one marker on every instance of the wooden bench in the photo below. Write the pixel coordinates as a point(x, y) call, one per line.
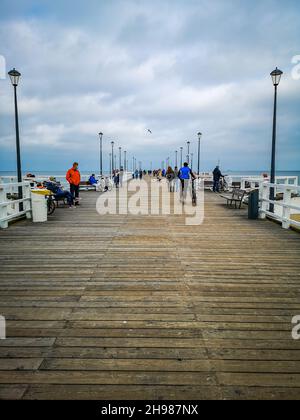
point(86, 186)
point(236, 197)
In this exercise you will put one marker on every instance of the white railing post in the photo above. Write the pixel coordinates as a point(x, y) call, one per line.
point(264, 194)
point(3, 209)
point(27, 203)
point(286, 211)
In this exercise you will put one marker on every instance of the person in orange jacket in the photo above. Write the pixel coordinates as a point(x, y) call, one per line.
point(73, 178)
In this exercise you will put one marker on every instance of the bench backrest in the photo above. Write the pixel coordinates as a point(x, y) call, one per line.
point(238, 194)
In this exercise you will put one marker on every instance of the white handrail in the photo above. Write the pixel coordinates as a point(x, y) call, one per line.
point(282, 209)
point(10, 209)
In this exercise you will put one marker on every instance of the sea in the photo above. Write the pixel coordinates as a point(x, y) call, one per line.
point(229, 172)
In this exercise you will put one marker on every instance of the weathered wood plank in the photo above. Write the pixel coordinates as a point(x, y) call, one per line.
point(141, 315)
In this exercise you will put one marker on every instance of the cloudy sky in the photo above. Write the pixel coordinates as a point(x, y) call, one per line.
point(174, 66)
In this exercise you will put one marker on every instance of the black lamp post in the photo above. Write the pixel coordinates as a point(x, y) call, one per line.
point(176, 158)
point(188, 151)
point(276, 76)
point(120, 157)
point(112, 156)
point(125, 160)
point(181, 150)
point(192, 158)
point(101, 162)
point(110, 168)
point(14, 77)
point(199, 146)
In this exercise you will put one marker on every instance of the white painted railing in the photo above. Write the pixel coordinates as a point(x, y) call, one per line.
point(10, 209)
point(283, 209)
point(255, 181)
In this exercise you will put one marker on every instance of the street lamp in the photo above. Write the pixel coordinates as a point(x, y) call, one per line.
point(181, 150)
point(176, 158)
point(120, 157)
point(112, 156)
point(199, 141)
point(276, 76)
point(14, 77)
point(188, 151)
point(192, 156)
point(125, 160)
point(110, 168)
point(101, 166)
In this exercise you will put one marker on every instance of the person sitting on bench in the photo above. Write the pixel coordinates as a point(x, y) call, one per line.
point(59, 193)
point(93, 180)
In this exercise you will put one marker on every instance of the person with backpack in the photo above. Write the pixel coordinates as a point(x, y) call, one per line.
point(170, 176)
point(185, 174)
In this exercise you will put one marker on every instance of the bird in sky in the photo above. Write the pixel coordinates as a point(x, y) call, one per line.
point(149, 131)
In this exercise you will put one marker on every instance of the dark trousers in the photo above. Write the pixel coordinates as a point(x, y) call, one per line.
point(216, 187)
point(74, 190)
point(65, 195)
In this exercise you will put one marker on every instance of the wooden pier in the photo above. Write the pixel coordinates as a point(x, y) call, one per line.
point(145, 307)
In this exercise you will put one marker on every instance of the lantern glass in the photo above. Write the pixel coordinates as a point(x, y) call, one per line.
point(14, 77)
point(276, 76)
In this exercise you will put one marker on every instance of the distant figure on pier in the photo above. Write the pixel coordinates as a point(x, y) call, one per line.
point(117, 179)
point(217, 174)
point(73, 177)
point(170, 175)
point(136, 174)
point(93, 180)
point(176, 180)
point(121, 176)
point(141, 174)
point(185, 174)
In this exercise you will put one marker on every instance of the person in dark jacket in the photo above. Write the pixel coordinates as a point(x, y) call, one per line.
point(59, 193)
point(217, 174)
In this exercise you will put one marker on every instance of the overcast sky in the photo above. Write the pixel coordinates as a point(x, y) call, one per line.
point(174, 66)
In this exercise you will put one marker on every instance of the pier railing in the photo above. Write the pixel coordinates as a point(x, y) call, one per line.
point(284, 208)
point(10, 206)
point(254, 181)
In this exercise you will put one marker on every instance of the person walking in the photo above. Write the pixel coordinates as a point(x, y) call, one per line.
point(170, 176)
point(117, 179)
point(73, 177)
point(217, 174)
point(176, 180)
point(121, 177)
point(185, 174)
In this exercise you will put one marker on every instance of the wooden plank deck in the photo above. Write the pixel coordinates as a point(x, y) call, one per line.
point(144, 307)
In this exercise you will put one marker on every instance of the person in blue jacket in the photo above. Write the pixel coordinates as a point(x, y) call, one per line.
point(185, 174)
point(93, 180)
